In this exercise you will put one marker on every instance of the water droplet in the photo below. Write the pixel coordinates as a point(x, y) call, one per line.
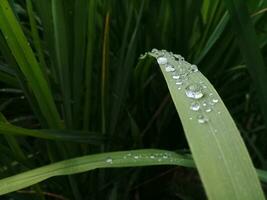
point(169, 68)
point(190, 118)
point(202, 119)
point(162, 60)
point(208, 110)
point(179, 82)
point(109, 160)
point(165, 156)
point(194, 91)
point(154, 50)
point(193, 68)
point(195, 106)
point(219, 112)
point(215, 100)
point(179, 88)
point(210, 94)
point(182, 71)
point(177, 56)
point(175, 77)
point(136, 157)
point(152, 157)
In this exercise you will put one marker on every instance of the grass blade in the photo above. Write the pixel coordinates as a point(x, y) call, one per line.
point(28, 64)
point(218, 150)
point(81, 164)
point(56, 135)
point(250, 49)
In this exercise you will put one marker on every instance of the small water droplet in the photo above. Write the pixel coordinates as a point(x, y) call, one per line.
point(152, 157)
point(109, 160)
point(194, 91)
point(154, 50)
point(210, 94)
point(136, 157)
point(165, 156)
point(219, 112)
point(193, 68)
point(190, 118)
point(177, 56)
point(179, 82)
point(179, 88)
point(194, 106)
point(202, 119)
point(162, 60)
point(208, 110)
point(175, 77)
point(169, 68)
point(215, 100)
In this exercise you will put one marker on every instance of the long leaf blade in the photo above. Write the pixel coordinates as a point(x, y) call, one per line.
point(218, 150)
point(90, 162)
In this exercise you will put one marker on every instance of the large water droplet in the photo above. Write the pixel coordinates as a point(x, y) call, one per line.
point(195, 106)
point(109, 160)
point(202, 119)
point(194, 91)
point(162, 60)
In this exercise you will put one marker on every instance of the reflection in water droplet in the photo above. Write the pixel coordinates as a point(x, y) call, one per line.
point(195, 106)
point(194, 91)
point(162, 60)
point(202, 119)
point(109, 160)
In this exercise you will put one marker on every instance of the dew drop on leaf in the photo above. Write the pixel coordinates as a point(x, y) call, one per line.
point(194, 91)
point(202, 119)
point(162, 60)
point(194, 106)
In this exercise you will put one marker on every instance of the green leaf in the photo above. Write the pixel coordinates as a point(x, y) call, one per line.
point(60, 135)
point(217, 148)
point(28, 64)
point(85, 163)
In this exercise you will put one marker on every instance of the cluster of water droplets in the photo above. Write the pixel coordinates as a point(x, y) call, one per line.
point(201, 100)
point(170, 157)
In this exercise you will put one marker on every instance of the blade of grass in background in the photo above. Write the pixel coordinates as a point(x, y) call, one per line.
point(55, 135)
point(62, 48)
point(28, 64)
point(218, 150)
point(249, 47)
